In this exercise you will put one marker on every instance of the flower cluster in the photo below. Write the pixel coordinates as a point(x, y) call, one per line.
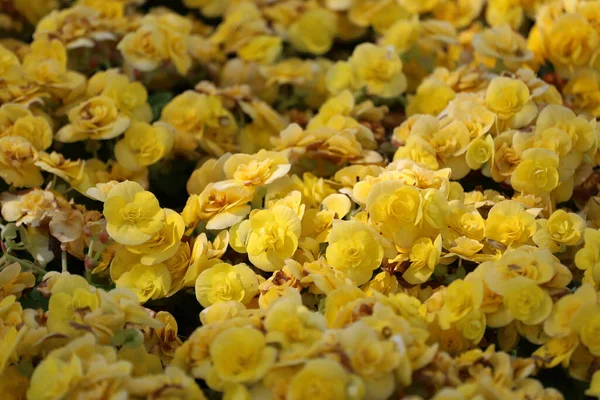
point(321, 199)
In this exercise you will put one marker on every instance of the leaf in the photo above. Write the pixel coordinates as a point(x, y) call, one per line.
point(127, 337)
point(157, 102)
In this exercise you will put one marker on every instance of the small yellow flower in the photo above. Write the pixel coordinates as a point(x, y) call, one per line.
point(222, 205)
point(132, 214)
point(355, 249)
point(144, 144)
point(509, 223)
point(263, 49)
point(378, 69)
point(241, 355)
point(320, 378)
point(572, 43)
point(259, 169)
point(506, 96)
point(224, 282)
point(480, 151)
point(566, 309)
point(526, 301)
point(17, 120)
point(397, 207)
point(164, 243)
point(17, 162)
point(314, 31)
point(97, 118)
point(460, 298)
point(270, 237)
point(561, 229)
point(537, 173)
point(424, 256)
point(146, 281)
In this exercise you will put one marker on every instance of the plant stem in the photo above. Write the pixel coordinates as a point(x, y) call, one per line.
point(64, 261)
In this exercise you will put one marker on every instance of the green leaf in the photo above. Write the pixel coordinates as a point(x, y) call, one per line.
point(157, 102)
point(127, 337)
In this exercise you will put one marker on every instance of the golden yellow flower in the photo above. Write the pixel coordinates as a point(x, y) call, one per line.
point(251, 359)
point(314, 31)
point(506, 96)
point(17, 162)
point(97, 118)
point(378, 69)
point(143, 144)
point(132, 214)
point(224, 282)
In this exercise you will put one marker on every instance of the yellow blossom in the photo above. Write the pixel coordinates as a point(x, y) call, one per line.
point(378, 69)
point(144, 144)
point(241, 355)
point(97, 118)
point(132, 214)
point(526, 301)
point(146, 281)
point(509, 223)
point(355, 249)
point(506, 96)
point(270, 237)
point(223, 282)
point(314, 31)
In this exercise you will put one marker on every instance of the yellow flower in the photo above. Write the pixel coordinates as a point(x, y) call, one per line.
point(320, 379)
point(57, 164)
point(460, 299)
point(13, 281)
point(355, 249)
point(583, 91)
point(526, 301)
point(240, 355)
point(480, 151)
point(288, 322)
point(537, 173)
point(17, 120)
point(130, 97)
point(378, 69)
point(97, 119)
point(259, 169)
point(500, 12)
point(424, 256)
point(556, 351)
point(403, 34)
point(144, 48)
point(588, 258)
point(506, 96)
point(132, 214)
point(459, 13)
point(65, 302)
point(502, 46)
point(146, 281)
point(431, 98)
point(594, 389)
point(572, 43)
point(164, 243)
point(314, 31)
point(144, 145)
point(339, 77)
point(17, 162)
point(561, 229)
point(9, 340)
point(270, 236)
point(509, 223)
point(566, 309)
point(578, 128)
point(54, 378)
point(263, 49)
point(224, 282)
point(221, 205)
point(397, 207)
point(589, 330)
